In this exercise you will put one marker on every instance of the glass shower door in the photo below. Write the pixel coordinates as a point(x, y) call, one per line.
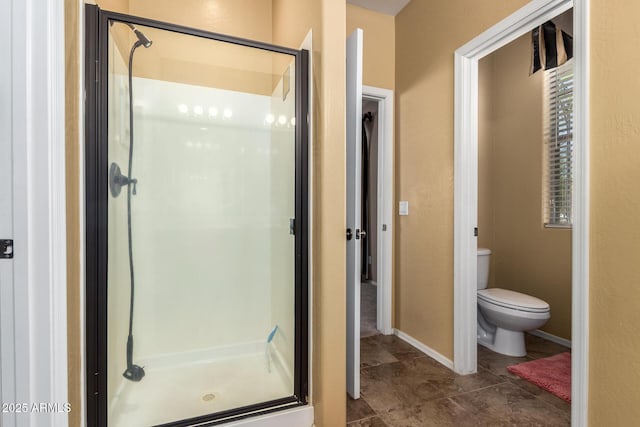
point(204, 289)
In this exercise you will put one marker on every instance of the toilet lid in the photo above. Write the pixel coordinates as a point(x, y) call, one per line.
point(512, 299)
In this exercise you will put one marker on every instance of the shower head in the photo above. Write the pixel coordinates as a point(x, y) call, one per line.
point(144, 41)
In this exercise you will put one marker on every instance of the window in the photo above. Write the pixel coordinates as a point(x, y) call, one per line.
point(558, 146)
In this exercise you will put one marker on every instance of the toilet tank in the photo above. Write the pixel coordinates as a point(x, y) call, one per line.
point(484, 255)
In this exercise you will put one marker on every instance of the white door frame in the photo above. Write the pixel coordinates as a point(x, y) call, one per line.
point(33, 339)
point(466, 193)
point(384, 275)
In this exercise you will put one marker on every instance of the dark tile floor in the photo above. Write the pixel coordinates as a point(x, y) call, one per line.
point(368, 308)
point(402, 387)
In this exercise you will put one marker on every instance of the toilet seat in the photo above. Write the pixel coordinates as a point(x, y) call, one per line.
point(513, 300)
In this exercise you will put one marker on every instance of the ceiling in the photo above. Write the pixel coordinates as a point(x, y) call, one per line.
point(388, 7)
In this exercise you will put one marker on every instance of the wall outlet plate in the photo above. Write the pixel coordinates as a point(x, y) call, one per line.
point(404, 207)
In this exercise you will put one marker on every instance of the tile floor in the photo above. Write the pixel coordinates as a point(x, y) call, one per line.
point(402, 387)
point(368, 309)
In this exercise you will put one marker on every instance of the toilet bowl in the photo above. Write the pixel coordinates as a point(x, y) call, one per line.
point(504, 315)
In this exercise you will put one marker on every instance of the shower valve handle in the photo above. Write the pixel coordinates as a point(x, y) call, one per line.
point(117, 180)
point(125, 180)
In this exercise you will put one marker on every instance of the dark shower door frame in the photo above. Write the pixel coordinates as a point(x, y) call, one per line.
point(96, 193)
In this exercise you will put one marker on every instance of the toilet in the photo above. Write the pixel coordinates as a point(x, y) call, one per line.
point(504, 315)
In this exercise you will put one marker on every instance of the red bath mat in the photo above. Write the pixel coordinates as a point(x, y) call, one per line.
point(551, 373)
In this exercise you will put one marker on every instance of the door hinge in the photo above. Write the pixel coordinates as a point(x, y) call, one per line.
point(6, 248)
point(475, 231)
point(292, 226)
point(384, 227)
point(349, 234)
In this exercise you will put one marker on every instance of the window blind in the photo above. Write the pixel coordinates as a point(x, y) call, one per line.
point(558, 145)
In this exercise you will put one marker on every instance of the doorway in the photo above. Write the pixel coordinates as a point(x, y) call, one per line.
point(466, 183)
point(377, 107)
point(369, 252)
point(375, 182)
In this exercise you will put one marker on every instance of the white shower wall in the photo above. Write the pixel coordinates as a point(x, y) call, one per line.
point(214, 260)
point(204, 217)
point(202, 234)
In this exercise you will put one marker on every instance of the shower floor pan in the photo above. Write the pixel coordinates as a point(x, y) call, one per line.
point(176, 393)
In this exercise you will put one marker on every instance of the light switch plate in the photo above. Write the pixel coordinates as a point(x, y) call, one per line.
point(404, 207)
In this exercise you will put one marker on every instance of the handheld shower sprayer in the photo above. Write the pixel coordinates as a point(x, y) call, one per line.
point(116, 181)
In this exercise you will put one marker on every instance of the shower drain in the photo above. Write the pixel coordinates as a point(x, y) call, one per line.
point(208, 397)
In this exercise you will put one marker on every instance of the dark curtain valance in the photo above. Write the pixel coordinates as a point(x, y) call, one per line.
point(550, 47)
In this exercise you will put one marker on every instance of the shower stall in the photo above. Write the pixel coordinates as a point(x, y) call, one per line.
point(196, 224)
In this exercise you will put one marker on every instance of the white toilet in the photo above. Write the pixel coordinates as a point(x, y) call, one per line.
point(504, 315)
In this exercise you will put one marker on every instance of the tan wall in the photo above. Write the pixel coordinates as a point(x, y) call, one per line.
point(242, 18)
point(424, 160)
point(201, 62)
point(204, 63)
point(378, 45)
point(526, 257)
point(615, 214)
point(485, 160)
point(74, 234)
point(121, 6)
point(250, 19)
point(292, 21)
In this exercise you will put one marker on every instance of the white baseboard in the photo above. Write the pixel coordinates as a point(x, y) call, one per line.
point(549, 337)
point(424, 348)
